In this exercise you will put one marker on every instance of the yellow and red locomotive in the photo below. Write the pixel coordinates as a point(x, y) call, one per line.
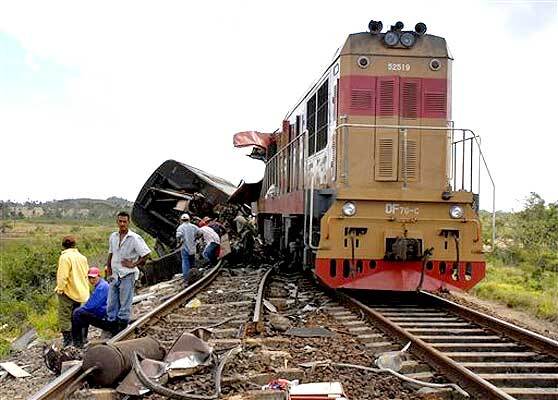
point(367, 180)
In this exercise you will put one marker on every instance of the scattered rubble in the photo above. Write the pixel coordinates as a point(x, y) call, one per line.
point(14, 370)
point(22, 342)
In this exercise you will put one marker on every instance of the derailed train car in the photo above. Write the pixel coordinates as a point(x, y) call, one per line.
point(367, 181)
point(175, 188)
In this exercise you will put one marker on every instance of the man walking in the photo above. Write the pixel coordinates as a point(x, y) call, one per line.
point(186, 236)
point(127, 250)
point(71, 285)
point(94, 311)
point(212, 244)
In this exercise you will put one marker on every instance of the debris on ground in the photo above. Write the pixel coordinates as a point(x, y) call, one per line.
point(54, 356)
point(309, 332)
point(24, 340)
point(270, 307)
point(279, 322)
point(194, 303)
point(14, 370)
point(392, 360)
point(317, 391)
point(112, 361)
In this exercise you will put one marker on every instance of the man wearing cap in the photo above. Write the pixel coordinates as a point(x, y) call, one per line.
point(127, 250)
point(71, 285)
point(94, 311)
point(186, 237)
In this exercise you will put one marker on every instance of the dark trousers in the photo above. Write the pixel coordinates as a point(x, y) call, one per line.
point(80, 324)
point(211, 253)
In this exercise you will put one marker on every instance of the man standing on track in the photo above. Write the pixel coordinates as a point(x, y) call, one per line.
point(127, 250)
point(186, 236)
point(71, 285)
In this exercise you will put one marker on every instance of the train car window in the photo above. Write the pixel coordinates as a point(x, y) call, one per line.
point(311, 124)
point(322, 117)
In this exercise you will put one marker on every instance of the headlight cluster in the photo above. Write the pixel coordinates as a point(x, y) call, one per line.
point(349, 209)
point(395, 34)
point(456, 212)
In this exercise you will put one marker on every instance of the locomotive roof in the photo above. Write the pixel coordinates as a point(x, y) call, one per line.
point(366, 43)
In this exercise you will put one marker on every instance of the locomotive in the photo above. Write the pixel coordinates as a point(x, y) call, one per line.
point(368, 181)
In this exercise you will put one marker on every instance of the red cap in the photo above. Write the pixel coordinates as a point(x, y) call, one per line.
point(93, 272)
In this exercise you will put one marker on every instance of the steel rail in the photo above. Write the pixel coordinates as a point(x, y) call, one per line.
point(257, 319)
point(471, 382)
point(538, 342)
point(56, 388)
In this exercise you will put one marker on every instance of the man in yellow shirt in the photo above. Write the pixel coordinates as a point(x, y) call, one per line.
point(71, 285)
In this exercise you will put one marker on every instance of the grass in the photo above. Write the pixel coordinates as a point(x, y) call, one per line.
point(29, 251)
point(523, 287)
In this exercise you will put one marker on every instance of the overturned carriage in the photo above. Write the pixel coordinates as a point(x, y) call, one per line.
point(172, 189)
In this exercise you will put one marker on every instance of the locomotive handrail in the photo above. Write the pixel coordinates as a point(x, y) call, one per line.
point(451, 128)
point(311, 216)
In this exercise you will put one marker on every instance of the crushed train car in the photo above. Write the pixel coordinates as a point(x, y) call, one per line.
point(175, 188)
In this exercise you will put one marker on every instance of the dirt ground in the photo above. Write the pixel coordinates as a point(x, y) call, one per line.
point(501, 311)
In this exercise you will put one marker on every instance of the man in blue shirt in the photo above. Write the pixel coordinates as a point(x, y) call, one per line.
point(93, 312)
point(186, 237)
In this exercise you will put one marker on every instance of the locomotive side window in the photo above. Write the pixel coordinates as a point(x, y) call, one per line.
point(317, 119)
point(322, 117)
point(311, 124)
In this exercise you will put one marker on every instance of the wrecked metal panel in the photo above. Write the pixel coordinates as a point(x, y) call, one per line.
point(246, 193)
point(172, 189)
point(252, 138)
point(161, 269)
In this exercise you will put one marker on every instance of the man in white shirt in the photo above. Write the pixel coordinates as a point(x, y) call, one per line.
point(186, 237)
point(212, 244)
point(127, 250)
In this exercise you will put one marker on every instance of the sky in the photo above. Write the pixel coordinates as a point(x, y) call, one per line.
point(95, 95)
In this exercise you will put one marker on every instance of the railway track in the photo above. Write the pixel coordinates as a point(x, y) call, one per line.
point(489, 358)
point(226, 290)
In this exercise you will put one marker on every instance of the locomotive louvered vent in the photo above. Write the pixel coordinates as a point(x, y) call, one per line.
point(387, 89)
point(385, 158)
point(411, 158)
point(435, 102)
point(410, 100)
point(361, 99)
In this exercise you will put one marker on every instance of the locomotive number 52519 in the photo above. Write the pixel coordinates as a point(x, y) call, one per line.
point(398, 67)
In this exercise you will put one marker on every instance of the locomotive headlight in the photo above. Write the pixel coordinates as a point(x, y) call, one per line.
point(456, 212)
point(391, 38)
point(349, 209)
point(408, 39)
